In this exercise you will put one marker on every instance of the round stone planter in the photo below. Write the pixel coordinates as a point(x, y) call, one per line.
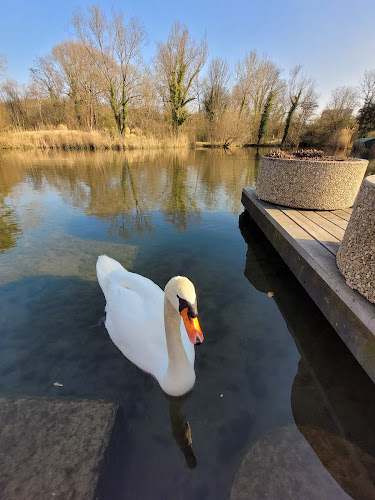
point(356, 255)
point(310, 184)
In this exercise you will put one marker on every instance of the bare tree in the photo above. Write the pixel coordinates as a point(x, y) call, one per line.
point(216, 93)
point(197, 90)
point(14, 99)
point(177, 64)
point(68, 71)
point(217, 101)
point(83, 82)
point(329, 128)
point(114, 48)
point(301, 93)
point(256, 90)
point(255, 78)
point(344, 97)
point(341, 106)
point(245, 78)
point(366, 115)
point(367, 86)
point(46, 76)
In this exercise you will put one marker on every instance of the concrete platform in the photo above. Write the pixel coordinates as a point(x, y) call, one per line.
point(308, 242)
point(53, 449)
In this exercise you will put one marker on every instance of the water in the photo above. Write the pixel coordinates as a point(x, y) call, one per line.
point(280, 407)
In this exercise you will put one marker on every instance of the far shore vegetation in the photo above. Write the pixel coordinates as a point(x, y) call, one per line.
point(64, 139)
point(95, 91)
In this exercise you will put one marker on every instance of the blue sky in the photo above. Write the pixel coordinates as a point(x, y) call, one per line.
point(333, 39)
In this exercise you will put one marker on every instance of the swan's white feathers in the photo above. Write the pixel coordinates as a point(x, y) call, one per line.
point(135, 317)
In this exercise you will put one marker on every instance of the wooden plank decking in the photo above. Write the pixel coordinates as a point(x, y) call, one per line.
point(308, 241)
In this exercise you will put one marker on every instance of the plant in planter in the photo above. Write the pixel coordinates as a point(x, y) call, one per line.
point(309, 179)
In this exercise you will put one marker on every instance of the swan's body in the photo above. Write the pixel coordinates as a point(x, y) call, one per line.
point(145, 324)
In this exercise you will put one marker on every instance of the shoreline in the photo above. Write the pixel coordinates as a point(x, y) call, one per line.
point(76, 140)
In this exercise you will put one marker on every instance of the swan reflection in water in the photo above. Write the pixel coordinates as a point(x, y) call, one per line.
point(332, 399)
point(181, 428)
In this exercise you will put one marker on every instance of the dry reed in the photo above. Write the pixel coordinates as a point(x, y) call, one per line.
point(77, 139)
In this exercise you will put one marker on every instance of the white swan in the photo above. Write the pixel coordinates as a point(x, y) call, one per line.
point(145, 323)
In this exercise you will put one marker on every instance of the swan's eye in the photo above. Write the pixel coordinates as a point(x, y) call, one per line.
point(192, 310)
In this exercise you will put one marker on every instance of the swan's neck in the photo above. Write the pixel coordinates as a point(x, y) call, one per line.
point(180, 371)
point(172, 322)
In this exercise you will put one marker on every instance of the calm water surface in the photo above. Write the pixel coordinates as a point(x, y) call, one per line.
point(280, 408)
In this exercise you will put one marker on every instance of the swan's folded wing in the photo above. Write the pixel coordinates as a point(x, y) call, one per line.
point(124, 316)
point(144, 287)
point(136, 326)
point(111, 273)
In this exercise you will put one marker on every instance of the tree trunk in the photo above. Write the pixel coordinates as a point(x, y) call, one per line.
point(114, 108)
point(292, 109)
point(124, 105)
point(265, 116)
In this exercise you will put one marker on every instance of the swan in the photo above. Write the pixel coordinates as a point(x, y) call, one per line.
point(145, 323)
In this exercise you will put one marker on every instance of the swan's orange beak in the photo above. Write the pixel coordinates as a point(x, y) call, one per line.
point(192, 327)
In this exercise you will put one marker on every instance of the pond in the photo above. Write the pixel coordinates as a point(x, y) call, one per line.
point(280, 408)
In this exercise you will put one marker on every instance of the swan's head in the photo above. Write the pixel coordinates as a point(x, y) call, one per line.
point(181, 294)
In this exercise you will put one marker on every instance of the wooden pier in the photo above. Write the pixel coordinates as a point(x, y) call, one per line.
point(308, 241)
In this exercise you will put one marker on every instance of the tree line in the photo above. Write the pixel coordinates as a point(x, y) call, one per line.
point(97, 80)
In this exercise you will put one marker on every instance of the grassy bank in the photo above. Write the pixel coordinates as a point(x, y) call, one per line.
point(80, 140)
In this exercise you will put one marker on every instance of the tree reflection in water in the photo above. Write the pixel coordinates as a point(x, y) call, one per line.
point(10, 229)
point(35, 177)
point(138, 219)
point(178, 206)
point(124, 190)
point(333, 400)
